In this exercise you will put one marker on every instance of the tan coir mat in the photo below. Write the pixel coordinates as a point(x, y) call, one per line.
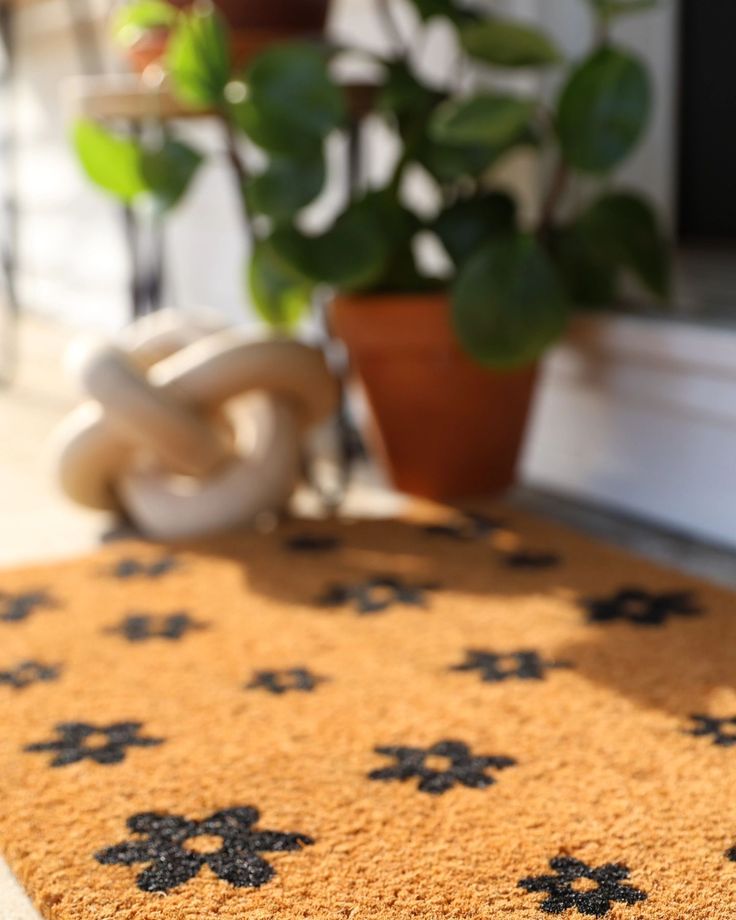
point(476, 719)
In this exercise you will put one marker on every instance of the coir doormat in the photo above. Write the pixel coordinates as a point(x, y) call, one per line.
point(474, 718)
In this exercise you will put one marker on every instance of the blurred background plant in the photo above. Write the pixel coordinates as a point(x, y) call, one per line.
point(514, 276)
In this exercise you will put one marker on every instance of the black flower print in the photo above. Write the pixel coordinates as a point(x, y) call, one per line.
point(27, 673)
point(17, 607)
point(377, 594)
point(722, 731)
point(140, 627)
point(532, 559)
point(440, 767)
point(312, 543)
point(469, 528)
point(176, 848)
point(134, 568)
point(495, 667)
point(577, 886)
point(285, 681)
point(104, 744)
point(641, 607)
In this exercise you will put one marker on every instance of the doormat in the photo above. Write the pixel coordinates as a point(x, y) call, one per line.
point(474, 717)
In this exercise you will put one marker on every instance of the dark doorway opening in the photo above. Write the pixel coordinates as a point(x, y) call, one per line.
point(707, 142)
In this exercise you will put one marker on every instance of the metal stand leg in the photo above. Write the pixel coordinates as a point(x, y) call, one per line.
point(146, 253)
point(9, 217)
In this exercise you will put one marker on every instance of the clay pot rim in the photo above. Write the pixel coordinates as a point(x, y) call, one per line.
point(396, 322)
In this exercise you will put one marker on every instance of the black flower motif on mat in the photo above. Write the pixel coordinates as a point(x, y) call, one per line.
point(17, 607)
point(722, 731)
point(140, 627)
point(440, 767)
point(312, 543)
point(532, 559)
point(27, 673)
point(177, 848)
point(129, 567)
point(469, 528)
point(641, 607)
point(285, 681)
point(577, 886)
point(377, 594)
point(79, 741)
point(495, 667)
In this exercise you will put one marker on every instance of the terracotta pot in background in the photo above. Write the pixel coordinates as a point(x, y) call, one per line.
point(255, 24)
point(446, 427)
point(285, 16)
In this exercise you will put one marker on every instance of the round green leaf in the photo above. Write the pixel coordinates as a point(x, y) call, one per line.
point(168, 171)
point(505, 43)
point(624, 229)
point(444, 9)
point(198, 59)
point(508, 303)
point(483, 119)
point(589, 276)
point(466, 224)
point(350, 255)
point(613, 9)
point(110, 161)
point(603, 110)
point(287, 186)
point(281, 296)
point(292, 100)
point(447, 163)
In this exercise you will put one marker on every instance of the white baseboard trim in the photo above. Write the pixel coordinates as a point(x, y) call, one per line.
point(641, 415)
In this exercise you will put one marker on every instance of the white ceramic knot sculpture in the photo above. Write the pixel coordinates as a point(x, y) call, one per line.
point(189, 430)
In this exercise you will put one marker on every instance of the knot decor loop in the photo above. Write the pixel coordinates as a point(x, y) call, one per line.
point(191, 429)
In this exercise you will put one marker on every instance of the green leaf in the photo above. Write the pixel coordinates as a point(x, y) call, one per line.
point(198, 59)
point(588, 274)
point(613, 9)
point(403, 95)
point(448, 163)
point(467, 223)
point(110, 161)
point(508, 302)
point(484, 119)
point(280, 295)
point(624, 228)
point(603, 110)
point(292, 100)
point(288, 185)
point(169, 170)
point(133, 19)
point(444, 9)
point(505, 43)
point(350, 255)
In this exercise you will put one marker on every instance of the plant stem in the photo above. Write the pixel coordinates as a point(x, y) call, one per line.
point(557, 189)
point(239, 171)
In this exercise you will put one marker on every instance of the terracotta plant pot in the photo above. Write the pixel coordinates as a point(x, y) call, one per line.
point(293, 17)
point(446, 427)
point(255, 25)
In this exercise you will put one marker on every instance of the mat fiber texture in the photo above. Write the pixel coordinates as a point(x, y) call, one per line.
point(475, 718)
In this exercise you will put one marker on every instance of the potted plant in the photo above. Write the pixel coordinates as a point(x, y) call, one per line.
point(447, 358)
point(142, 28)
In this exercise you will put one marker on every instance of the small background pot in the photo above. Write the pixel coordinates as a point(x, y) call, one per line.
point(255, 25)
point(446, 427)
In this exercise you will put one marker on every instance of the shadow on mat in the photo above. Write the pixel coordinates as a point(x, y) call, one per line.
point(675, 668)
point(301, 560)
